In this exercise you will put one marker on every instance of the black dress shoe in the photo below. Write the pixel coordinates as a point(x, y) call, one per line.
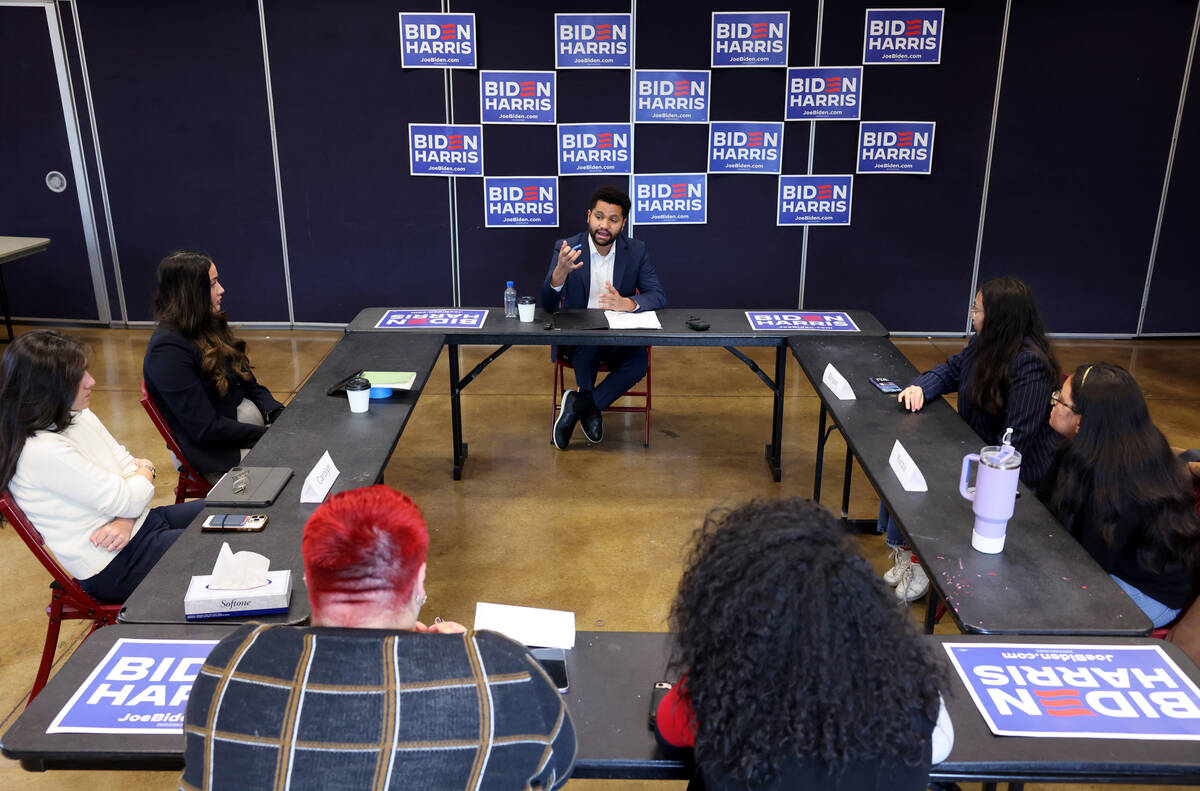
point(593, 426)
point(564, 426)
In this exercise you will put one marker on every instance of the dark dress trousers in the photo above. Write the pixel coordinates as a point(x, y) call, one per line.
point(275, 707)
point(204, 422)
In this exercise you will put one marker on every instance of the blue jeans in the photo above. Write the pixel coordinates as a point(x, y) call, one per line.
point(1155, 610)
point(887, 526)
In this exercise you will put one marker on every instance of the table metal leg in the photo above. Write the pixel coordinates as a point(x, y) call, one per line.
point(775, 449)
point(821, 439)
point(4, 304)
point(846, 483)
point(931, 610)
point(460, 447)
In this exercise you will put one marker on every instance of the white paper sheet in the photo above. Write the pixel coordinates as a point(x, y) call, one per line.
point(528, 625)
point(645, 320)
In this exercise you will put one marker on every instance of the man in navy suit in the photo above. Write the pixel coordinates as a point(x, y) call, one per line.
point(602, 270)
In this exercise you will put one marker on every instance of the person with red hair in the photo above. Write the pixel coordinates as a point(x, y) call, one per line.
point(368, 696)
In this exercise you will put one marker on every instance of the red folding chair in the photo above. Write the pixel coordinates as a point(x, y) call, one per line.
point(191, 483)
point(67, 599)
point(559, 387)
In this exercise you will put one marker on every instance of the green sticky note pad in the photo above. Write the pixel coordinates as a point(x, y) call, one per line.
point(397, 380)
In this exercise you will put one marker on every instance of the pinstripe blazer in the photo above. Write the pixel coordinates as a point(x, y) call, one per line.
point(1026, 405)
point(313, 708)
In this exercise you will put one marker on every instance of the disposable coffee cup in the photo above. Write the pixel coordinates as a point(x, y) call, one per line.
point(358, 393)
point(525, 308)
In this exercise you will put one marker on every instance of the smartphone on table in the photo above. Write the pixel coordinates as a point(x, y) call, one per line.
point(885, 385)
point(235, 522)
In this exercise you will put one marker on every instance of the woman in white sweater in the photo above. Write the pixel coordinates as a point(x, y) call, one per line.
point(86, 494)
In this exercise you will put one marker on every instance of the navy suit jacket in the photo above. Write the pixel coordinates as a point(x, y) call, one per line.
point(632, 273)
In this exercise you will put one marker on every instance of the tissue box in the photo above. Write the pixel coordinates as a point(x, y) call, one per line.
point(200, 602)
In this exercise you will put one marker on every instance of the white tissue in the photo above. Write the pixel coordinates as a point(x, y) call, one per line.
point(240, 571)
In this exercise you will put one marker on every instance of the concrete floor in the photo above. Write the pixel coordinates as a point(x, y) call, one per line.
point(598, 529)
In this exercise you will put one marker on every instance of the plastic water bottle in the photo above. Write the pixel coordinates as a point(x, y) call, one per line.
point(510, 301)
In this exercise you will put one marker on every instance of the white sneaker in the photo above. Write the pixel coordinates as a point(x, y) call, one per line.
point(913, 583)
point(901, 560)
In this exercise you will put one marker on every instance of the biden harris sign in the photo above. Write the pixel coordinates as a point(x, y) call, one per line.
point(824, 93)
point(592, 41)
point(141, 686)
point(520, 201)
point(749, 39)
point(445, 149)
point(1073, 691)
point(903, 36)
point(814, 200)
point(671, 97)
point(517, 97)
point(745, 146)
point(895, 147)
point(437, 41)
point(587, 149)
point(670, 199)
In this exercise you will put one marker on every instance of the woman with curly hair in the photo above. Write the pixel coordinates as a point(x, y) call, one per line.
point(1003, 378)
point(197, 371)
point(797, 671)
point(1121, 490)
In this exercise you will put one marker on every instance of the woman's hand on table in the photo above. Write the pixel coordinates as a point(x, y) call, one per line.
point(912, 397)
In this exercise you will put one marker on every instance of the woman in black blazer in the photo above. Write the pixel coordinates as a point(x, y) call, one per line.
point(197, 371)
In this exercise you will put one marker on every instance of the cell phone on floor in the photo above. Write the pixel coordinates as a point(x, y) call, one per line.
point(554, 662)
point(657, 693)
point(885, 385)
point(238, 523)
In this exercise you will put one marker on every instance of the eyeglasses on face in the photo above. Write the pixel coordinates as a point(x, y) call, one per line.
point(1056, 398)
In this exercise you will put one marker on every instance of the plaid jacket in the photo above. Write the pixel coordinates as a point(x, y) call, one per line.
point(283, 707)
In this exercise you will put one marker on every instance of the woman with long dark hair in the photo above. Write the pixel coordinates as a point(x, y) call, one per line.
point(197, 370)
point(1004, 378)
point(796, 669)
point(1119, 488)
point(82, 490)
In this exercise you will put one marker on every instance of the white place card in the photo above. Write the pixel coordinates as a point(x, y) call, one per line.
point(834, 380)
point(906, 470)
point(319, 481)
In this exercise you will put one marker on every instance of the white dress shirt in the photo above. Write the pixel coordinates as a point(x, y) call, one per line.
point(602, 272)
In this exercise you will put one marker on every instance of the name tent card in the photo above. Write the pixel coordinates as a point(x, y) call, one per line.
point(834, 380)
point(906, 470)
point(320, 480)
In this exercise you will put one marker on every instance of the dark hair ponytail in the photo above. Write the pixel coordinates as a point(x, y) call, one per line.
point(39, 380)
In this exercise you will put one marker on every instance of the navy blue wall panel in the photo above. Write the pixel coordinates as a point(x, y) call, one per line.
point(361, 231)
point(525, 40)
point(1176, 281)
point(1086, 114)
point(741, 257)
point(56, 283)
point(908, 254)
point(181, 109)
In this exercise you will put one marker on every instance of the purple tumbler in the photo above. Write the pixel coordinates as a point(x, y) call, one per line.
point(994, 495)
